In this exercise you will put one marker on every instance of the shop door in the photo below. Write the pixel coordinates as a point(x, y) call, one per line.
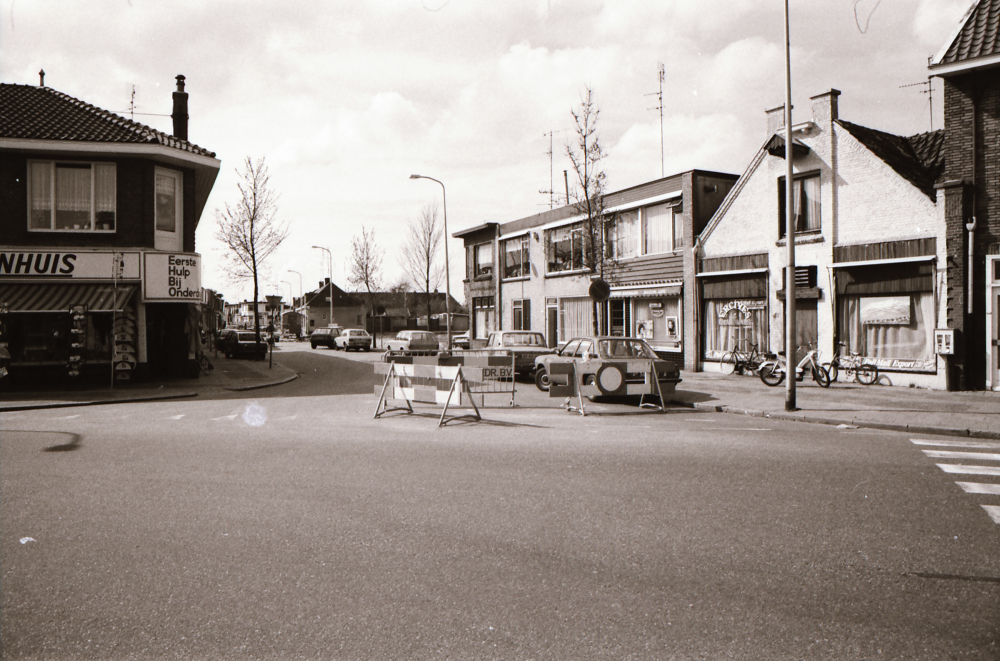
point(552, 326)
point(806, 326)
point(994, 349)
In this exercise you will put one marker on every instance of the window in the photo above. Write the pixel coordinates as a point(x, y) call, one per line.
point(483, 259)
point(625, 235)
point(515, 261)
point(482, 312)
point(805, 203)
point(71, 197)
point(521, 314)
point(658, 229)
point(576, 317)
point(734, 324)
point(565, 248)
point(168, 210)
point(648, 231)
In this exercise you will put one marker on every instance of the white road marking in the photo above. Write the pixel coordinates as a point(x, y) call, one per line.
point(68, 417)
point(980, 445)
point(227, 417)
point(970, 470)
point(736, 429)
point(175, 417)
point(979, 487)
point(993, 511)
point(948, 454)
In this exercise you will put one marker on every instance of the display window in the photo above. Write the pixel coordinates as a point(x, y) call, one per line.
point(734, 324)
point(658, 321)
point(894, 332)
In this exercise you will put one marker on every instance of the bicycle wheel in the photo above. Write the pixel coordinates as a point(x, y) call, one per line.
point(866, 374)
point(728, 364)
point(832, 370)
point(821, 376)
point(771, 374)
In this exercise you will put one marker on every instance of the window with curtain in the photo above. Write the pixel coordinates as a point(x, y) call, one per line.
point(74, 197)
point(805, 203)
point(576, 317)
point(482, 311)
point(625, 235)
point(515, 264)
point(895, 331)
point(484, 259)
point(166, 203)
point(565, 249)
point(658, 229)
point(734, 324)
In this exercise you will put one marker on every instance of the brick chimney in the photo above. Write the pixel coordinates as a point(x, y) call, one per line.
point(776, 119)
point(180, 113)
point(824, 107)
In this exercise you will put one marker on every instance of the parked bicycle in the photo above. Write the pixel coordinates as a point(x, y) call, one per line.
point(772, 371)
point(853, 367)
point(204, 364)
point(742, 362)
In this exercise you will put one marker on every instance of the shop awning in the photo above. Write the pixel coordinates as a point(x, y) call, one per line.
point(59, 297)
point(672, 288)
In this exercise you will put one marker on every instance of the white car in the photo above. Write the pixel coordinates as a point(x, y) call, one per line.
point(414, 340)
point(353, 338)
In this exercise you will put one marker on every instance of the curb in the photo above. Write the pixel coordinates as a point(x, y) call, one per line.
point(863, 424)
point(263, 385)
point(63, 405)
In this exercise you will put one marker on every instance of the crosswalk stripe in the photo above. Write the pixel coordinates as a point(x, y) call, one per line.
point(970, 470)
point(993, 511)
point(980, 445)
point(175, 417)
point(978, 487)
point(948, 454)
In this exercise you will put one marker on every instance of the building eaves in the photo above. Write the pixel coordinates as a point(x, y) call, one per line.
point(976, 42)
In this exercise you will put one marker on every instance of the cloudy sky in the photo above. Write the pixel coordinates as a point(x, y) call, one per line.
point(345, 99)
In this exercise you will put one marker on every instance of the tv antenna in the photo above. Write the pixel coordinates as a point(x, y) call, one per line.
point(551, 191)
point(659, 106)
point(929, 84)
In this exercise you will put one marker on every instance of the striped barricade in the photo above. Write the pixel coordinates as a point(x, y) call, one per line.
point(418, 381)
point(497, 375)
point(602, 378)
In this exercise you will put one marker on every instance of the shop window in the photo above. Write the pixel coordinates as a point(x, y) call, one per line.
point(734, 324)
point(658, 321)
point(565, 248)
point(805, 203)
point(894, 331)
point(483, 259)
point(72, 197)
point(521, 313)
point(515, 258)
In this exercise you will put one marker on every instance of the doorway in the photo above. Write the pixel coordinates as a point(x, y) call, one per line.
point(806, 327)
point(551, 326)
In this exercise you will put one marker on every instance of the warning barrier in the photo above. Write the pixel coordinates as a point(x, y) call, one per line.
point(498, 368)
point(603, 378)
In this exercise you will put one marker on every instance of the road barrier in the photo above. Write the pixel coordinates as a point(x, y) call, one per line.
point(604, 379)
point(498, 368)
point(446, 385)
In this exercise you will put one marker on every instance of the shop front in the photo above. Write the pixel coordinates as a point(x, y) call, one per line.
point(653, 313)
point(734, 314)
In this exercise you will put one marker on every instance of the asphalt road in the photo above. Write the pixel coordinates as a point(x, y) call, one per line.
point(296, 526)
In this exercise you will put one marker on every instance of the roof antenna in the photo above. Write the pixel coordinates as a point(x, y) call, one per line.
point(929, 84)
point(41, 77)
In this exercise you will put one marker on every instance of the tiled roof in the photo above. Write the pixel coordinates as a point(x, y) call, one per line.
point(978, 37)
point(42, 113)
point(919, 159)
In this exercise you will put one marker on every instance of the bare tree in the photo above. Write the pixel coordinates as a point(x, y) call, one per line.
point(586, 156)
point(420, 251)
point(250, 229)
point(366, 267)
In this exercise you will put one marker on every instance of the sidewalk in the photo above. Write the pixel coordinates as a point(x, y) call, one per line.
point(919, 411)
point(236, 374)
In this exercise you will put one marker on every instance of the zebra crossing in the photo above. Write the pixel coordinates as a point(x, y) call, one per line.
point(976, 459)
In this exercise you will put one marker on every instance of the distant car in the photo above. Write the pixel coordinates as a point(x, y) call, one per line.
point(413, 340)
point(461, 341)
point(353, 338)
point(526, 346)
point(592, 356)
point(244, 343)
point(325, 337)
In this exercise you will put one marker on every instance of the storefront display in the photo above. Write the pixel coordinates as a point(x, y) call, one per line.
point(734, 324)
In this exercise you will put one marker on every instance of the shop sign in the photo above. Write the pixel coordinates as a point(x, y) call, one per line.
point(72, 265)
point(745, 307)
point(902, 364)
point(172, 277)
point(656, 309)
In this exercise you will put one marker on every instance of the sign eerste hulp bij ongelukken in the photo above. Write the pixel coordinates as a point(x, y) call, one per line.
point(172, 277)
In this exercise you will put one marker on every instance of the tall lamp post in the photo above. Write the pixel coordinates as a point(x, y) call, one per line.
point(330, 256)
point(298, 310)
point(447, 264)
point(291, 297)
point(790, 347)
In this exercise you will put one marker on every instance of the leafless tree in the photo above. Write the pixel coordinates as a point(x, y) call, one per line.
point(366, 267)
point(420, 251)
point(586, 156)
point(250, 229)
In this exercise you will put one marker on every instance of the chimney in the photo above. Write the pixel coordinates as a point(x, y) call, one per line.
point(41, 77)
point(327, 280)
point(776, 119)
point(824, 107)
point(180, 113)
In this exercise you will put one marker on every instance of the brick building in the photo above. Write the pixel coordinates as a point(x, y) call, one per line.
point(969, 65)
point(98, 269)
point(869, 248)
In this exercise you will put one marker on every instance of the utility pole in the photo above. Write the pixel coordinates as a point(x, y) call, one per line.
point(659, 106)
point(790, 348)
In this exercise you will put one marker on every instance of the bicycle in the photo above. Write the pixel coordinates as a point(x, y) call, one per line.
point(204, 364)
point(853, 367)
point(772, 372)
point(742, 361)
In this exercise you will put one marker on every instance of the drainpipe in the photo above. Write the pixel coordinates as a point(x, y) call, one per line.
point(971, 227)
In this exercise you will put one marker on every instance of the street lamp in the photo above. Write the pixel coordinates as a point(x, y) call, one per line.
point(298, 309)
point(447, 265)
point(291, 296)
point(330, 256)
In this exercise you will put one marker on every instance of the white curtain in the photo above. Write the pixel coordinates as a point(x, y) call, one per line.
point(626, 235)
point(659, 229)
point(733, 328)
point(72, 197)
point(806, 204)
point(576, 318)
point(910, 341)
point(41, 196)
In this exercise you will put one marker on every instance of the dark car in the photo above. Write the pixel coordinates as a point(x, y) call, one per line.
point(244, 343)
point(525, 346)
point(324, 337)
point(594, 356)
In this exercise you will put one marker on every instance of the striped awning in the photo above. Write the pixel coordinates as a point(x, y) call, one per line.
point(59, 297)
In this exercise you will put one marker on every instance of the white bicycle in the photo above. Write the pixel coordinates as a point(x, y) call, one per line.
point(772, 371)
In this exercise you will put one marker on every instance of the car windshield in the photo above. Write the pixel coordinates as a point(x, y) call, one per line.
point(625, 348)
point(524, 340)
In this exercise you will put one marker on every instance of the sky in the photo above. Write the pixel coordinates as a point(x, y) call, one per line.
point(345, 99)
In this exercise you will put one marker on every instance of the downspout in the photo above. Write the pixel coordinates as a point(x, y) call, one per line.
point(971, 227)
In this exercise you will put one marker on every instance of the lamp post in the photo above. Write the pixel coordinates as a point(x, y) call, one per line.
point(298, 309)
point(291, 297)
point(447, 265)
point(330, 256)
point(790, 347)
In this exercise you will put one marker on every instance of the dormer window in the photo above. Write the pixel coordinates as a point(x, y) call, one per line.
point(71, 196)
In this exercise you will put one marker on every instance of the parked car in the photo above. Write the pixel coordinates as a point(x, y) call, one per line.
point(413, 340)
point(244, 343)
point(325, 337)
point(353, 338)
point(592, 355)
point(526, 346)
point(461, 341)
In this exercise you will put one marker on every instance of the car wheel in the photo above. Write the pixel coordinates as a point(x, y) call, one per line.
point(591, 380)
point(542, 379)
